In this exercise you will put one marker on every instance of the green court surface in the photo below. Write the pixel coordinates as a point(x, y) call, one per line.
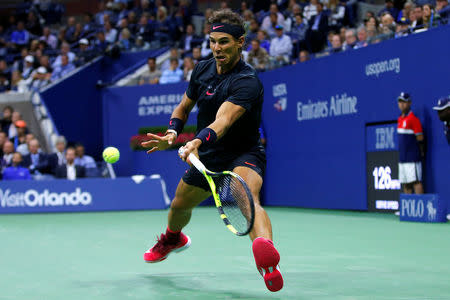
point(324, 255)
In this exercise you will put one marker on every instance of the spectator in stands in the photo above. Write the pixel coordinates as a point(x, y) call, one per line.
point(418, 14)
point(70, 170)
point(20, 62)
point(443, 111)
point(443, 9)
point(387, 23)
point(84, 54)
point(189, 40)
point(144, 29)
point(271, 31)
point(263, 40)
point(24, 148)
point(428, 14)
point(298, 33)
point(4, 69)
point(110, 33)
point(18, 130)
point(302, 57)
point(362, 38)
point(8, 151)
point(17, 84)
point(372, 27)
point(101, 44)
point(39, 79)
point(65, 50)
point(125, 43)
point(205, 50)
point(49, 38)
point(20, 36)
point(16, 171)
point(77, 34)
point(70, 28)
point(89, 24)
point(173, 75)
point(411, 147)
point(402, 28)
point(45, 62)
point(390, 9)
point(268, 21)
point(281, 47)
point(29, 67)
point(65, 68)
point(36, 161)
point(33, 25)
point(337, 13)
point(317, 31)
point(5, 122)
point(197, 55)
point(172, 54)
point(350, 39)
point(152, 74)
point(252, 31)
point(258, 57)
point(405, 12)
point(58, 159)
point(101, 12)
point(82, 159)
point(188, 67)
point(336, 44)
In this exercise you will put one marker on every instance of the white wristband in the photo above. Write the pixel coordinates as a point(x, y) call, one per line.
point(172, 131)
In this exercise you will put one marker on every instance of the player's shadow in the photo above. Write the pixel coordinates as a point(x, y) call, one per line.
point(190, 283)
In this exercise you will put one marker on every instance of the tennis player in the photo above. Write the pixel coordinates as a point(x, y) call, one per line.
point(229, 97)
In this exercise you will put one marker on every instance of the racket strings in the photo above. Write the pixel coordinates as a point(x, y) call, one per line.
point(235, 201)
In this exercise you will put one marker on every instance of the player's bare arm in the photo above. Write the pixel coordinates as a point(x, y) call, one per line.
point(226, 116)
point(181, 112)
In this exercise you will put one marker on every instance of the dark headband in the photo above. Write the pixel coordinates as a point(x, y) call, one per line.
point(235, 30)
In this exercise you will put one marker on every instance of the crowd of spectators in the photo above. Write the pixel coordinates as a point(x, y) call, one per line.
point(38, 45)
point(21, 155)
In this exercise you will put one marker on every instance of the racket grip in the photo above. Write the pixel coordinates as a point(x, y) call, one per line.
point(194, 160)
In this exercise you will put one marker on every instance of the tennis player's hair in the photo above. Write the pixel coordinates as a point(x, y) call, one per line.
point(226, 16)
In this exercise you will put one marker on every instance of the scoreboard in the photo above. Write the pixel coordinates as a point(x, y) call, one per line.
point(383, 186)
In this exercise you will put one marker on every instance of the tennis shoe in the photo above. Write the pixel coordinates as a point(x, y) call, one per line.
point(164, 247)
point(267, 259)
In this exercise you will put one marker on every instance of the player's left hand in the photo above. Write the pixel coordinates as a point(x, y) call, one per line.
point(190, 147)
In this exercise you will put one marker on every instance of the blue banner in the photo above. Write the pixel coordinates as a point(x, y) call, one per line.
point(422, 208)
point(23, 196)
point(381, 138)
point(131, 112)
point(315, 115)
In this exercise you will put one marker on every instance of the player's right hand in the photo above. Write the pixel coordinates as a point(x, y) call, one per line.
point(159, 142)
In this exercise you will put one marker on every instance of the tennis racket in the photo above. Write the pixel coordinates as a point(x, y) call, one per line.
point(231, 195)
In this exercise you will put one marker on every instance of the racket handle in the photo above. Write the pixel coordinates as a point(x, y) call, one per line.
point(194, 160)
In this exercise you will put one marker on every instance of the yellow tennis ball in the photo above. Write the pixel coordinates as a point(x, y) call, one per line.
point(111, 155)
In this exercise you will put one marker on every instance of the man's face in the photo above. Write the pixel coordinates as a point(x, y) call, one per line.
point(80, 151)
point(196, 53)
point(173, 64)
point(29, 137)
point(173, 53)
point(298, 19)
point(255, 45)
point(350, 38)
point(16, 159)
point(151, 64)
point(303, 56)
point(34, 146)
point(8, 147)
point(225, 47)
point(418, 12)
point(444, 115)
point(387, 20)
point(60, 146)
point(20, 26)
point(404, 106)
point(273, 8)
point(336, 42)
point(362, 35)
point(70, 156)
point(65, 49)
point(279, 32)
point(64, 60)
point(189, 30)
point(16, 116)
point(7, 113)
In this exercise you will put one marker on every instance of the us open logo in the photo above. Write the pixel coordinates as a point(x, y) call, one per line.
point(279, 92)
